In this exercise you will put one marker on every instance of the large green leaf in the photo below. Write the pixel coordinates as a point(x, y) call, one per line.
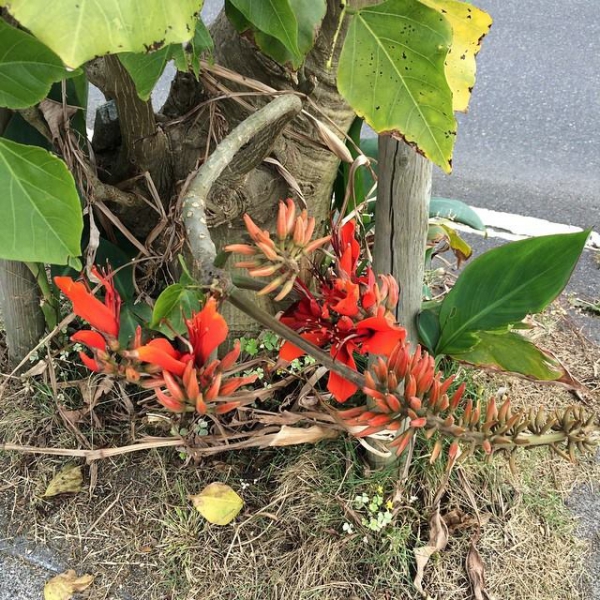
point(392, 73)
point(274, 18)
point(309, 14)
point(79, 30)
point(27, 68)
point(41, 213)
point(504, 285)
point(469, 27)
point(512, 352)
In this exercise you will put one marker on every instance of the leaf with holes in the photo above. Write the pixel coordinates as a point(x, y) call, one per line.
point(274, 18)
point(41, 213)
point(392, 72)
point(67, 481)
point(469, 26)
point(27, 68)
point(503, 285)
point(84, 29)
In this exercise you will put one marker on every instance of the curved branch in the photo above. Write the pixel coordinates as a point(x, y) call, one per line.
point(240, 152)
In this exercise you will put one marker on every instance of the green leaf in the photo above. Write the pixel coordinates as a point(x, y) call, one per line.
point(428, 325)
point(27, 68)
point(391, 71)
point(275, 18)
point(309, 14)
point(503, 285)
point(469, 27)
point(146, 69)
point(461, 249)
point(83, 29)
point(201, 43)
point(512, 352)
point(122, 265)
point(131, 316)
point(455, 210)
point(175, 304)
point(41, 213)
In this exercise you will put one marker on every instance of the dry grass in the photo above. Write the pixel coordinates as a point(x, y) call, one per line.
point(135, 528)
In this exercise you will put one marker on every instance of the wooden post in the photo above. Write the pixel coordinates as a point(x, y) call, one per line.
point(401, 221)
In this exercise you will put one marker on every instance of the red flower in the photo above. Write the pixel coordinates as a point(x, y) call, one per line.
point(103, 316)
point(207, 330)
point(352, 314)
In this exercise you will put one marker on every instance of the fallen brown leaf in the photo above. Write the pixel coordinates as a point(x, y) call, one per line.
point(476, 571)
point(438, 538)
point(69, 480)
point(63, 586)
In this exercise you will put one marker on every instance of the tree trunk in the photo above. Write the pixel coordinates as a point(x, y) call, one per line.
point(299, 149)
point(20, 299)
point(402, 212)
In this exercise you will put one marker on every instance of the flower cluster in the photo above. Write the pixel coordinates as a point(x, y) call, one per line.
point(352, 313)
point(183, 381)
point(409, 394)
point(281, 256)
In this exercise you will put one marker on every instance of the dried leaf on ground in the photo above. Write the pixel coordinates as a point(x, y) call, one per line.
point(476, 571)
point(438, 538)
point(69, 480)
point(63, 586)
point(217, 503)
point(290, 436)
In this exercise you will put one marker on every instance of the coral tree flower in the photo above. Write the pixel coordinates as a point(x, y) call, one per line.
point(192, 381)
point(352, 314)
point(282, 256)
point(102, 316)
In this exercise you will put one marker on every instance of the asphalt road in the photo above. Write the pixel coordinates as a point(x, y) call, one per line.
point(530, 143)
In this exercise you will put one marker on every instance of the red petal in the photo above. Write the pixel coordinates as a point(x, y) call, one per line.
point(207, 330)
point(157, 356)
point(382, 342)
point(349, 250)
point(289, 352)
point(88, 307)
point(165, 346)
point(91, 339)
point(341, 388)
point(349, 305)
point(90, 363)
point(169, 402)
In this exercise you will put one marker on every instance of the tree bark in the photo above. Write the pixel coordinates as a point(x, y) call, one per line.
point(20, 299)
point(402, 214)
point(401, 220)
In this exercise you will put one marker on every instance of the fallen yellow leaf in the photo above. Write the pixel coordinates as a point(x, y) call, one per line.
point(217, 503)
point(63, 586)
point(68, 480)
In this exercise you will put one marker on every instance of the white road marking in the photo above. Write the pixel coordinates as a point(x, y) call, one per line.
point(509, 226)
